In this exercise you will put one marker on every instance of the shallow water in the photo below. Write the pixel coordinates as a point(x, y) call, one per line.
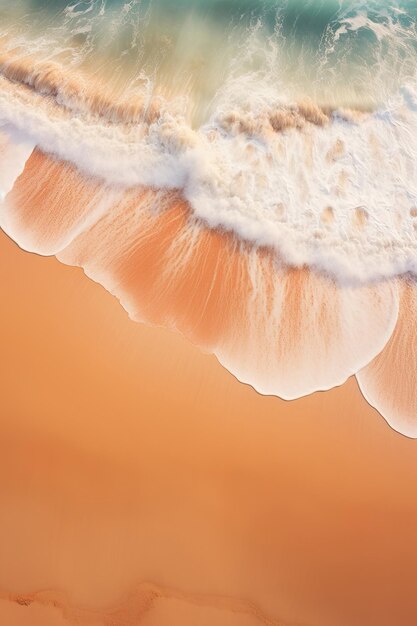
point(244, 173)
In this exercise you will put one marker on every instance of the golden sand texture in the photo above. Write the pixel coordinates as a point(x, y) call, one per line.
point(142, 484)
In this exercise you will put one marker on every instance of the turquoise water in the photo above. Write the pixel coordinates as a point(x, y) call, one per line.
point(299, 18)
point(338, 52)
point(346, 53)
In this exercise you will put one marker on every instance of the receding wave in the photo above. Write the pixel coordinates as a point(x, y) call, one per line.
point(279, 233)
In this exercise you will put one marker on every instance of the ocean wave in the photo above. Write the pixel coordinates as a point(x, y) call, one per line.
point(280, 233)
point(287, 331)
point(332, 189)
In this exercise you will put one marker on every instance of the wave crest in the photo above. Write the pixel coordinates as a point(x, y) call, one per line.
point(273, 234)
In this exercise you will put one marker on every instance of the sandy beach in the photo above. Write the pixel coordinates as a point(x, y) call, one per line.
point(208, 320)
point(141, 483)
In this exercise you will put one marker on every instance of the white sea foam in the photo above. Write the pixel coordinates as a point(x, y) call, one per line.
point(341, 197)
point(337, 193)
point(18, 149)
point(329, 187)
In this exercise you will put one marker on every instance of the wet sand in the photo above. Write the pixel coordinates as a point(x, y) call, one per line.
point(287, 331)
point(142, 484)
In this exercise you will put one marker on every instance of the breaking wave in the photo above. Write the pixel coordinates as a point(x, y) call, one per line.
point(274, 222)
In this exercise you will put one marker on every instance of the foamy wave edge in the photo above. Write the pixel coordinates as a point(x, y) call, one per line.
point(287, 332)
point(333, 190)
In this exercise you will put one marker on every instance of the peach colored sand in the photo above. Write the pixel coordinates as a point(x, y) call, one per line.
point(286, 331)
point(143, 485)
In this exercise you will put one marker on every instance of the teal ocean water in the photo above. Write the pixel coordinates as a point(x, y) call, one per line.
point(351, 51)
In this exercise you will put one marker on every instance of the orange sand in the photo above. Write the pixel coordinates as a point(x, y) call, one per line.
point(287, 331)
point(143, 485)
